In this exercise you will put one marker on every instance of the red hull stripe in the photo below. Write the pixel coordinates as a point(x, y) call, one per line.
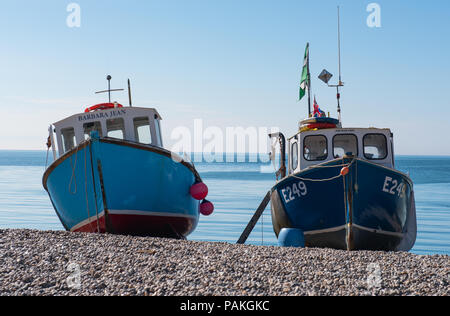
point(139, 223)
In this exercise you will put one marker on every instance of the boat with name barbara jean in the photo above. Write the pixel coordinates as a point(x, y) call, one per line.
point(112, 174)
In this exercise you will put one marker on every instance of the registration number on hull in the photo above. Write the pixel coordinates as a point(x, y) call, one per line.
point(294, 191)
point(394, 187)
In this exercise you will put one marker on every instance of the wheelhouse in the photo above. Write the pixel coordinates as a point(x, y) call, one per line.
point(310, 148)
point(140, 125)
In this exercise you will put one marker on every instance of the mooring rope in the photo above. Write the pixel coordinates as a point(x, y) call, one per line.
point(73, 172)
point(262, 228)
point(328, 179)
point(85, 188)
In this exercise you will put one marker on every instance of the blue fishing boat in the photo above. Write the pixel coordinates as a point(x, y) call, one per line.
point(111, 174)
point(340, 188)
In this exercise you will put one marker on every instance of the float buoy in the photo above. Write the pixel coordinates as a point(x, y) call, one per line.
point(206, 208)
point(345, 171)
point(199, 191)
point(291, 237)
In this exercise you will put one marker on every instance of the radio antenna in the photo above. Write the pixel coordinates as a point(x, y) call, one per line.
point(325, 76)
point(340, 84)
point(339, 43)
point(109, 89)
point(129, 93)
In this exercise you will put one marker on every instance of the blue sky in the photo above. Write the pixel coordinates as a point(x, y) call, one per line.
point(231, 63)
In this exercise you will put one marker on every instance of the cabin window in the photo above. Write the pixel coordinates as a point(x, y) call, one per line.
point(90, 127)
point(294, 156)
point(315, 148)
point(115, 128)
point(68, 137)
point(345, 145)
point(375, 146)
point(142, 130)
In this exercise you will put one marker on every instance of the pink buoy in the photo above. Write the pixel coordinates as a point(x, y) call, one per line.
point(206, 208)
point(199, 191)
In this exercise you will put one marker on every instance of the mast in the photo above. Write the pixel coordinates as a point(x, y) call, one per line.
point(340, 84)
point(339, 44)
point(109, 89)
point(309, 85)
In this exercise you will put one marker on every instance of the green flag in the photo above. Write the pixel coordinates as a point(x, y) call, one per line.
point(305, 80)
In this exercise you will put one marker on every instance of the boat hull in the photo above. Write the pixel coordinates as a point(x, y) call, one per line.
point(113, 186)
point(370, 208)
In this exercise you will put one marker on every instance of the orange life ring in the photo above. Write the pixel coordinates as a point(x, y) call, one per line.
point(321, 125)
point(103, 106)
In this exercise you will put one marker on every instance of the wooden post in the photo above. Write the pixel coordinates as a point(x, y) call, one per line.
point(254, 220)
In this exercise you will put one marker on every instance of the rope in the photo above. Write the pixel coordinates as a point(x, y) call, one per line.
point(331, 166)
point(328, 179)
point(85, 187)
point(73, 172)
point(318, 180)
point(262, 229)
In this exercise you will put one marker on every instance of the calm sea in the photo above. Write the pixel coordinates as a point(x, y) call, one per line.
point(236, 190)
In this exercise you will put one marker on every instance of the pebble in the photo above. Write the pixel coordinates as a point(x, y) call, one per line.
point(62, 263)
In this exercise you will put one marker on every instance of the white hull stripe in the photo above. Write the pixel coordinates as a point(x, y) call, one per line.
point(379, 231)
point(328, 230)
point(343, 227)
point(147, 213)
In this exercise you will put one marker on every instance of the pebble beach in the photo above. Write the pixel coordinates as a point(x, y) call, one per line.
point(60, 263)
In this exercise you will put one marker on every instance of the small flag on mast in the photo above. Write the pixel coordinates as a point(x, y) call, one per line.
point(305, 83)
point(317, 111)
